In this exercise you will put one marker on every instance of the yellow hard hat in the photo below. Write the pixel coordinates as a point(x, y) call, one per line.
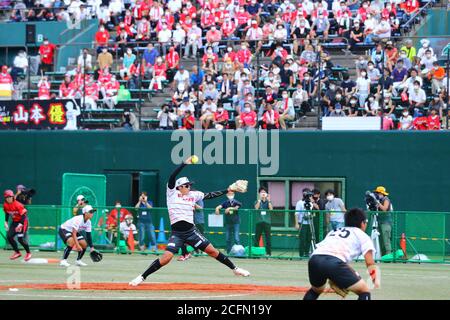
point(382, 190)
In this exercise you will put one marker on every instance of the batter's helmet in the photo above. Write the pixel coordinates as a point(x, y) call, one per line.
point(8, 193)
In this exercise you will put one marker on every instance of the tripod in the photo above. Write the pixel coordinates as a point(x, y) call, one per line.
point(375, 236)
point(310, 216)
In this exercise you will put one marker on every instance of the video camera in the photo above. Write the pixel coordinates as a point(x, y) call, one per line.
point(25, 195)
point(371, 201)
point(307, 198)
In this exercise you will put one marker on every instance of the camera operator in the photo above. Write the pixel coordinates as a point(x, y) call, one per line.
point(303, 219)
point(24, 195)
point(335, 211)
point(166, 117)
point(384, 206)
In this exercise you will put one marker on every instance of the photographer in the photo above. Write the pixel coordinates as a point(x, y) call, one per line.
point(145, 223)
point(130, 121)
point(303, 220)
point(81, 203)
point(24, 195)
point(166, 117)
point(384, 206)
point(263, 219)
point(335, 211)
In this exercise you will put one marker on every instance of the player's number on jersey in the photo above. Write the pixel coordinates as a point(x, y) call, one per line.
point(341, 232)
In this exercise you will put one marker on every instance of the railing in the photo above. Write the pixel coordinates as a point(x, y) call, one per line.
point(143, 91)
point(415, 236)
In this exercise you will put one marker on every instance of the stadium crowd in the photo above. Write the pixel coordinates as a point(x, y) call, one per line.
point(231, 85)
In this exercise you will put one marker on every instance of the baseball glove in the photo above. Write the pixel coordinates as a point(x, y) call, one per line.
point(342, 292)
point(239, 186)
point(96, 256)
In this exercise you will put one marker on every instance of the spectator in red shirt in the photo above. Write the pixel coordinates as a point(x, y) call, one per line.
point(173, 63)
point(220, 118)
point(46, 54)
point(68, 88)
point(111, 221)
point(159, 74)
point(19, 225)
point(244, 55)
point(188, 120)
point(44, 89)
point(270, 118)
point(213, 37)
point(433, 120)
point(247, 119)
point(101, 38)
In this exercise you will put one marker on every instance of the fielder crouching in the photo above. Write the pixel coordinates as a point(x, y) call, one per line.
point(330, 259)
point(181, 203)
point(69, 233)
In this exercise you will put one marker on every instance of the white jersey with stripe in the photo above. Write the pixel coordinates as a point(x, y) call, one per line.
point(346, 243)
point(181, 208)
point(77, 223)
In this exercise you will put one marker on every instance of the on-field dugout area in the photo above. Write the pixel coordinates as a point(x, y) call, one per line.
point(204, 278)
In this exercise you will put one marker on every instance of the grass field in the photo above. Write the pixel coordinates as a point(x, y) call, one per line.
point(398, 281)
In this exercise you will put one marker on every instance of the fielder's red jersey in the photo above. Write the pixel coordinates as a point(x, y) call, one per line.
point(16, 210)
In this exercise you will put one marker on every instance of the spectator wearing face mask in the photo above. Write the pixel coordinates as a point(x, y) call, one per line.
point(286, 109)
point(406, 121)
point(213, 37)
point(113, 219)
point(362, 87)
point(373, 74)
point(194, 40)
point(391, 55)
point(46, 53)
point(335, 208)
point(423, 50)
point(232, 220)
point(427, 61)
point(417, 99)
point(164, 37)
point(263, 219)
point(409, 49)
point(128, 232)
point(433, 120)
point(247, 119)
point(371, 106)
point(101, 38)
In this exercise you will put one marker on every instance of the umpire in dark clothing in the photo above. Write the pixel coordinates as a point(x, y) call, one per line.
point(232, 220)
point(263, 220)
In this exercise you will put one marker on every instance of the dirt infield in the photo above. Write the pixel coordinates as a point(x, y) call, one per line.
point(105, 286)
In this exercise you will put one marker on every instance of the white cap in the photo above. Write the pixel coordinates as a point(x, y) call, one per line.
point(88, 208)
point(80, 197)
point(181, 181)
point(425, 41)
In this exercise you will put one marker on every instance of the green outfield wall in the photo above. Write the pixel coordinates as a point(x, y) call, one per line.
point(413, 166)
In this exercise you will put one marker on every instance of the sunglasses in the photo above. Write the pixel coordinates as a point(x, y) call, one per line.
point(188, 186)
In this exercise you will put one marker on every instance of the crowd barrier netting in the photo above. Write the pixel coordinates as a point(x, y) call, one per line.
point(415, 236)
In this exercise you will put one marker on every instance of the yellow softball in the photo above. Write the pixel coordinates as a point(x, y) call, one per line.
point(194, 159)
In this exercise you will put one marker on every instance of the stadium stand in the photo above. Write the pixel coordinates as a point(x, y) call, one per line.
point(232, 51)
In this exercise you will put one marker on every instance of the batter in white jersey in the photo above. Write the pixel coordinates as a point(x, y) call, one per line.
point(181, 205)
point(330, 259)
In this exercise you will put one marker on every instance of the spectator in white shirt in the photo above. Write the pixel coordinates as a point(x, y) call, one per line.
point(194, 40)
point(174, 6)
point(85, 57)
point(164, 37)
point(181, 79)
point(178, 36)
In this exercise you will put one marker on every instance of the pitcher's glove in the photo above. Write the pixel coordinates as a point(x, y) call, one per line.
point(239, 186)
point(96, 256)
point(342, 292)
